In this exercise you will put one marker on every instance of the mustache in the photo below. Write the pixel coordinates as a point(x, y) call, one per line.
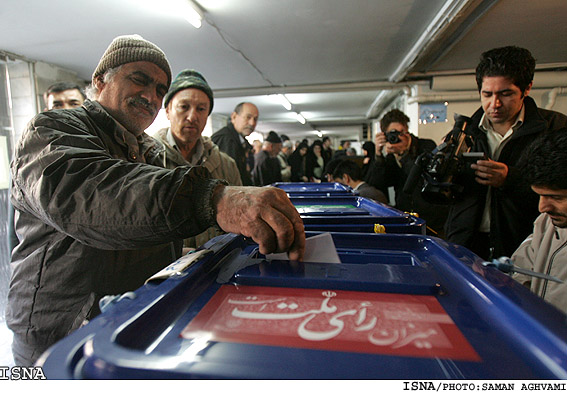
point(139, 101)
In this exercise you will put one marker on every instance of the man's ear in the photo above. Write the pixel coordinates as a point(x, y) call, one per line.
point(167, 111)
point(527, 91)
point(99, 83)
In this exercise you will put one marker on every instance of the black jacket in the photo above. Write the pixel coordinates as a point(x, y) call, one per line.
point(267, 170)
point(514, 206)
point(385, 172)
point(228, 140)
point(297, 163)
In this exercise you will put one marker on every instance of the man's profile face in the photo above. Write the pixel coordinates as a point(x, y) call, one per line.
point(501, 99)
point(245, 121)
point(134, 95)
point(276, 148)
point(337, 180)
point(67, 99)
point(554, 204)
point(187, 113)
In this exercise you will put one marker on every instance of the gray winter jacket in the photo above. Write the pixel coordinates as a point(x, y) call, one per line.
point(545, 251)
point(93, 218)
point(220, 166)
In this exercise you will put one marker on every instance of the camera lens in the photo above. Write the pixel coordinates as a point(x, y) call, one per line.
point(393, 136)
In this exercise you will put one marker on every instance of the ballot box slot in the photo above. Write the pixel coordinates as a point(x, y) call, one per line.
point(368, 276)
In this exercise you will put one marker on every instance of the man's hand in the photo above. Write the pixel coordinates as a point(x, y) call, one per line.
point(380, 141)
point(490, 173)
point(396, 148)
point(264, 214)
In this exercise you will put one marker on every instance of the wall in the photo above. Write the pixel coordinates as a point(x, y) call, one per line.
point(466, 101)
point(47, 74)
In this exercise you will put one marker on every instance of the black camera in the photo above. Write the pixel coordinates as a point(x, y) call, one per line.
point(393, 136)
point(440, 167)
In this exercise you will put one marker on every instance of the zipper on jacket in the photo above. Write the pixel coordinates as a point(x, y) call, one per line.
point(548, 272)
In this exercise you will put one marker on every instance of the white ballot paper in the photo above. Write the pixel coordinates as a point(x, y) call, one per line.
point(319, 249)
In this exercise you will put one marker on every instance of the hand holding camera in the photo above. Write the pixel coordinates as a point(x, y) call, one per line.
point(392, 141)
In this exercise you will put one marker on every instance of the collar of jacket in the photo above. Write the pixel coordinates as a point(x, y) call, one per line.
point(151, 149)
point(231, 128)
point(533, 121)
point(176, 157)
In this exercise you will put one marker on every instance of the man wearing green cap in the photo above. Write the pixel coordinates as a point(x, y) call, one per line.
point(188, 103)
point(96, 215)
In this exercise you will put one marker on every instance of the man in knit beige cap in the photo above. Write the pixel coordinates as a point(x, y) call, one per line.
point(96, 214)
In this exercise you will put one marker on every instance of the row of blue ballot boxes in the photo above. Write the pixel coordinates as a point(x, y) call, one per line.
point(335, 207)
point(396, 306)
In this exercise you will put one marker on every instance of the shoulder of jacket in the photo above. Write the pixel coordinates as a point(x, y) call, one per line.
point(161, 135)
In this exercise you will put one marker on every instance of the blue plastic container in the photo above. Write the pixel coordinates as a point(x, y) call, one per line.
point(355, 214)
point(397, 307)
point(315, 189)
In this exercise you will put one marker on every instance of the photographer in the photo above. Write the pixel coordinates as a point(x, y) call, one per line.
point(498, 208)
point(396, 151)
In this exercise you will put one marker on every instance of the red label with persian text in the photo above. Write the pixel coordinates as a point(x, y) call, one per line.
point(379, 323)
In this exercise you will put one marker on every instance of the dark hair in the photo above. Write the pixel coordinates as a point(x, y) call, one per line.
point(370, 148)
point(63, 86)
point(347, 167)
point(301, 146)
point(394, 115)
point(512, 62)
point(331, 165)
point(326, 138)
point(545, 160)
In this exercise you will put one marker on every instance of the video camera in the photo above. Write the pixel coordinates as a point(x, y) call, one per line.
point(439, 167)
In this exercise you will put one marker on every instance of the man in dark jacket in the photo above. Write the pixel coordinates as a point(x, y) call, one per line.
point(393, 163)
point(267, 169)
point(347, 172)
point(499, 208)
point(95, 216)
point(231, 138)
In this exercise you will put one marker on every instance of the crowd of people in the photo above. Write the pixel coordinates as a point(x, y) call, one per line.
point(100, 205)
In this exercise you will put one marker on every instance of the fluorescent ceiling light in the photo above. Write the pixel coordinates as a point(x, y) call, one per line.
point(193, 14)
point(284, 102)
point(300, 118)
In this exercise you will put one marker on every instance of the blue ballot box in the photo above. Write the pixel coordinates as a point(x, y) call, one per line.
point(315, 189)
point(355, 214)
point(396, 307)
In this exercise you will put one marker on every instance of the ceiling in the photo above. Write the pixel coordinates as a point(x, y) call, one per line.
point(337, 61)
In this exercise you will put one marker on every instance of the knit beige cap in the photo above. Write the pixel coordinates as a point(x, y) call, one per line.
point(132, 48)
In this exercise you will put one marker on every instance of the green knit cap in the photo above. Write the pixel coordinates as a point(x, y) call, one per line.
point(132, 48)
point(189, 78)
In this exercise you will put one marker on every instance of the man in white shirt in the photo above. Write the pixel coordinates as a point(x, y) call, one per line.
point(498, 208)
